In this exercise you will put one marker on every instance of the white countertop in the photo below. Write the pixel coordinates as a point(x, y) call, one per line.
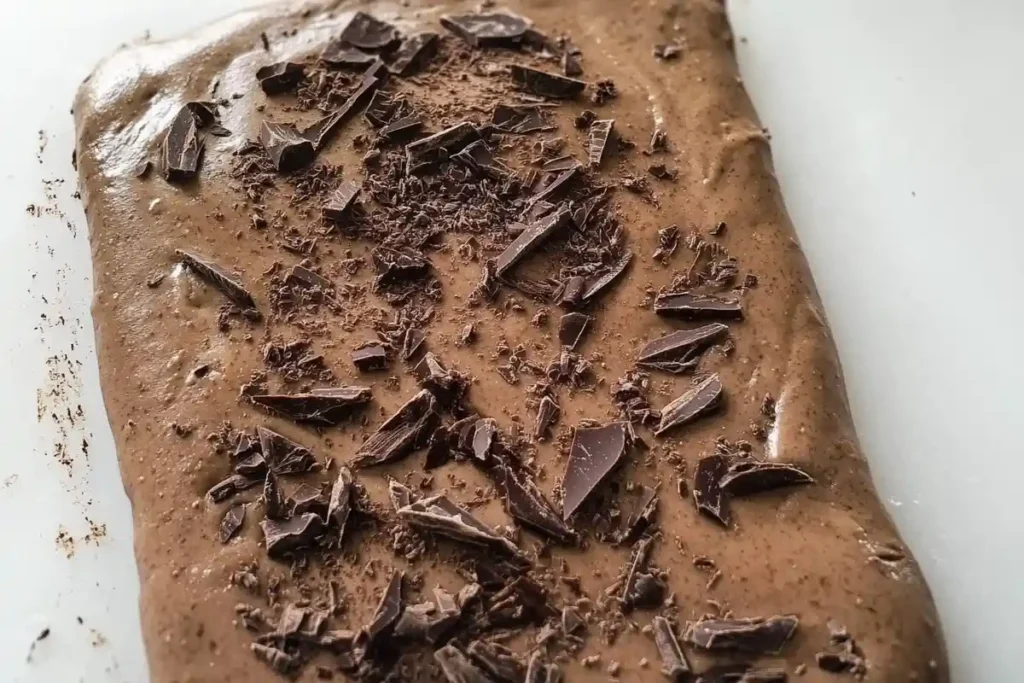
point(896, 137)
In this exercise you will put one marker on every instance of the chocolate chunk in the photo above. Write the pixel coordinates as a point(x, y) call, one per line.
point(560, 164)
point(760, 636)
point(604, 90)
point(571, 294)
point(205, 113)
point(680, 350)
point(521, 118)
point(430, 622)
point(283, 455)
point(405, 431)
point(447, 386)
point(278, 660)
point(381, 109)
point(280, 77)
point(182, 147)
point(597, 285)
point(642, 516)
point(219, 279)
point(308, 498)
point(287, 537)
point(697, 306)
point(527, 505)
point(572, 621)
point(547, 412)
point(697, 402)
point(321, 406)
point(597, 140)
point(537, 671)
point(288, 149)
point(529, 240)
point(841, 662)
point(674, 664)
point(491, 29)
point(401, 129)
point(368, 33)
point(388, 610)
point(413, 54)
point(273, 498)
point(231, 486)
point(477, 157)
point(339, 54)
point(545, 84)
point(411, 342)
point(641, 590)
point(707, 490)
point(458, 668)
point(748, 476)
point(305, 278)
point(571, 328)
point(571, 65)
point(484, 436)
point(393, 266)
point(555, 185)
point(231, 522)
point(338, 208)
point(320, 132)
point(594, 454)
point(438, 147)
point(370, 358)
point(497, 661)
point(339, 505)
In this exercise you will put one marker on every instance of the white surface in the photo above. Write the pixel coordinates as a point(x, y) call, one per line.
point(897, 142)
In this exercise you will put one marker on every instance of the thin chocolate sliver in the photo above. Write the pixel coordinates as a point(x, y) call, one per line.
point(560, 164)
point(603, 281)
point(231, 523)
point(547, 413)
point(695, 403)
point(287, 537)
point(529, 240)
point(680, 350)
point(339, 505)
point(288, 149)
point(305, 278)
point(388, 610)
point(412, 342)
point(571, 328)
point(521, 118)
point(748, 477)
point(555, 184)
point(477, 156)
point(405, 431)
point(707, 490)
point(571, 65)
point(282, 455)
point(320, 132)
point(641, 518)
point(308, 498)
point(435, 148)
point(690, 306)
point(339, 54)
point(594, 454)
point(413, 54)
point(227, 488)
point(759, 636)
point(339, 207)
point(274, 506)
point(370, 358)
point(252, 466)
point(325, 407)
point(545, 84)
point(490, 29)
point(402, 128)
point(219, 279)
point(674, 664)
point(641, 589)
point(597, 140)
point(182, 147)
point(280, 77)
point(527, 505)
point(368, 33)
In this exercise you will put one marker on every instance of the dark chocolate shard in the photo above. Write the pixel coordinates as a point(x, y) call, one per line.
point(594, 454)
point(319, 133)
point(227, 488)
point(698, 306)
point(571, 64)
point(538, 671)
point(338, 208)
point(572, 621)
point(288, 537)
point(339, 54)
point(447, 386)
point(571, 294)
point(280, 77)
point(597, 140)
point(308, 498)
point(477, 157)
point(414, 53)
point(305, 278)
point(438, 147)
point(393, 266)
point(571, 328)
point(339, 505)
point(485, 433)
point(326, 407)
point(707, 490)
point(547, 412)
point(554, 184)
point(674, 663)
point(490, 29)
point(402, 433)
point(388, 610)
point(521, 118)
point(381, 109)
point(598, 284)
point(277, 659)
point(747, 476)
point(412, 342)
point(282, 455)
point(759, 635)
point(679, 351)
point(370, 358)
point(401, 129)
point(560, 164)
point(205, 113)
point(287, 148)
point(231, 522)
point(641, 590)
point(697, 402)
point(530, 239)
point(496, 660)
point(368, 33)
point(642, 516)
point(183, 147)
point(527, 505)
point(544, 84)
point(458, 668)
point(274, 506)
point(219, 279)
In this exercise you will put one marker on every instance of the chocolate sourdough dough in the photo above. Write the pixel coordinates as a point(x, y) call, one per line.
point(362, 248)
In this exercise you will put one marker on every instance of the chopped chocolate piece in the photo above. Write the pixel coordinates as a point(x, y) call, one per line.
point(321, 406)
point(413, 54)
point(484, 432)
point(584, 119)
point(393, 266)
point(388, 610)
point(697, 306)
point(597, 140)
point(284, 456)
point(370, 358)
point(555, 185)
point(572, 621)
point(381, 109)
point(760, 636)
point(219, 279)
point(571, 65)
point(545, 84)
point(547, 412)
point(278, 660)
point(594, 453)
point(401, 129)
point(571, 328)
point(491, 29)
point(231, 522)
point(840, 662)
point(601, 282)
point(288, 149)
point(641, 590)
point(521, 118)
point(304, 277)
point(478, 157)
point(339, 207)
point(695, 403)
point(438, 147)
point(748, 476)
point(529, 240)
point(762, 676)
point(339, 506)
point(572, 292)
point(642, 517)
point(661, 172)
point(496, 660)
point(273, 498)
point(205, 112)
point(439, 449)
point(183, 147)
point(560, 164)
point(368, 33)
point(405, 431)
point(428, 622)
point(411, 342)
point(339, 54)
point(707, 490)
point(308, 498)
point(527, 505)
point(674, 664)
point(280, 77)
point(680, 350)
point(230, 486)
point(457, 667)
point(604, 90)
point(447, 386)
point(539, 672)
point(319, 132)
point(287, 537)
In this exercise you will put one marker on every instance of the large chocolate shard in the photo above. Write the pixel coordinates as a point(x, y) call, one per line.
point(547, 413)
point(707, 490)
point(368, 33)
point(414, 53)
point(695, 403)
point(339, 54)
point(521, 118)
point(458, 668)
point(435, 148)
point(497, 661)
point(404, 432)
point(280, 77)
point(680, 351)
point(594, 454)
point(477, 156)
point(339, 505)
point(320, 132)
point(282, 455)
point(227, 488)
point(544, 84)
point(554, 184)
point(308, 498)
point(598, 284)
point(597, 140)
point(641, 589)
point(338, 208)
point(747, 476)
point(490, 29)
point(759, 636)
point(286, 537)
point(325, 407)
point(288, 149)
point(231, 522)
point(219, 279)
point(388, 610)
point(674, 664)
point(571, 328)
point(182, 147)
point(527, 505)
point(530, 239)
point(690, 306)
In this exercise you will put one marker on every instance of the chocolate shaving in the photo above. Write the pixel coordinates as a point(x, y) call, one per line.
point(338, 208)
point(305, 278)
point(458, 668)
point(520, 118)
point(287, 537)
point(491, 29)
point(560, 164)
point(280, 77)
point(219, 279)
point(695, 403)
point(405, 431)
point(690, 306)
point(326, 407)
point(707, 490)
point(571, 328)
point(231, 522)
point(544, 84)
point(413, 54)
point(680, 351)
point(748, 476)
point(527, 505)
point(227, 488)
point(674, 664)
point(571, 65)
point(603, 281)
point(547, 412)
point(594, 454)
point(368, 33)
point(597, 140)
point(282, 455)
point(529, 240)
point(438, 147)
point(760, 636)
point(370, 358)
point(183, 147)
